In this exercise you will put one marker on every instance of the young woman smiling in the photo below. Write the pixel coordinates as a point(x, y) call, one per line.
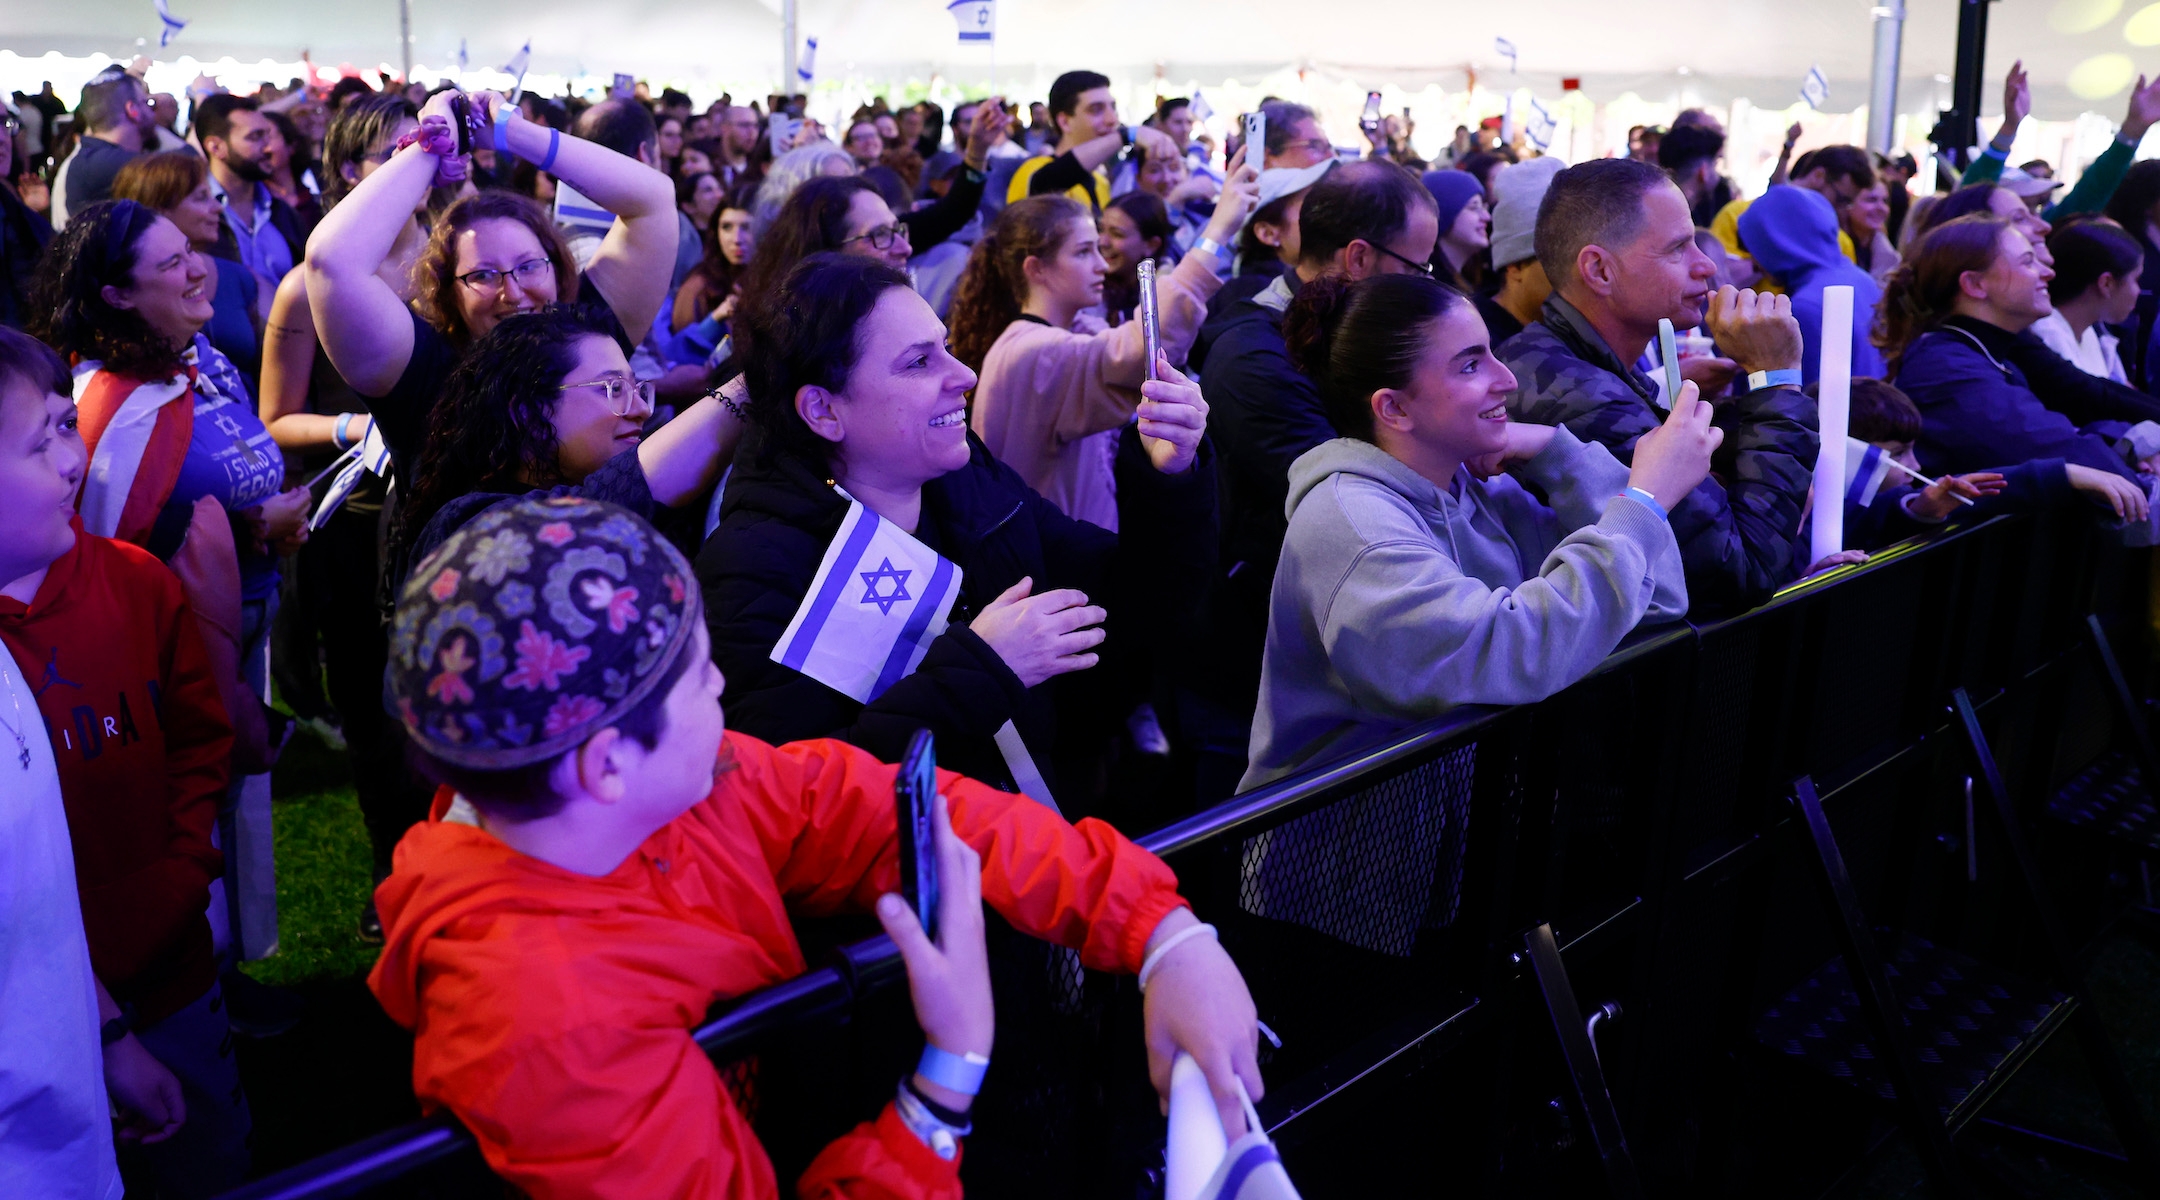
point(853, 395)
point(1056, 388)
point(1420, 571)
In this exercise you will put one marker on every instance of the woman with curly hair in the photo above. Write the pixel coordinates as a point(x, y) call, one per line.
point(177, 184)
point(1950, 315)
point(491, 255)
point(546, 403)
point(1056, 386)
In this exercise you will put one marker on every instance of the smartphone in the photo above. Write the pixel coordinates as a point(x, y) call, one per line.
point(1255, 135)
point(1150, 327)
point(1369, 120)
point(461, 115)
point(914, 796)
point(624, 87)
point(782, 128)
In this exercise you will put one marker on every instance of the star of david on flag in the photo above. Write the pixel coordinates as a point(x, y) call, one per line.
point(878, 600)
point(1815, 89)
point(977, 19)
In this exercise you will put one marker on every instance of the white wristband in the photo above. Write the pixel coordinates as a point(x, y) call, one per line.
point(1155, 958)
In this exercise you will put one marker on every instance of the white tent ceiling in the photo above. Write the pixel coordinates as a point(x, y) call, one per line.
point(1759, 48)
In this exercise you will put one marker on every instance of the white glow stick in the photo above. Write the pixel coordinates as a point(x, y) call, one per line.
point(1197, 1141)
point(1834, 411)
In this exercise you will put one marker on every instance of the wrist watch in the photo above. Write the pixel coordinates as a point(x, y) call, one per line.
point(1788, 377)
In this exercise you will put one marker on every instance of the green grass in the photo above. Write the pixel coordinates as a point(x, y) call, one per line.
point(323, 876)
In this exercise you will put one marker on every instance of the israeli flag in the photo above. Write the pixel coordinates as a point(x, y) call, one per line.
point(1506, 50)
point(1541, 126)
point(173, 24)
point(371, 456)
point(1201, 109)
point(977, 19)
point(878, 600)
point(1866, 467)
point(517, 66)
point(464, 56)
point(806, 66)
point(1815, 89)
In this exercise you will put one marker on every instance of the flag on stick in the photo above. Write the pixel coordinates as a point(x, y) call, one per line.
point(977, 19)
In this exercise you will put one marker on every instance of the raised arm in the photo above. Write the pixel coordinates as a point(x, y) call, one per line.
point(365, 328)
point(684, 457)
point(636, 261)
point(289, 346)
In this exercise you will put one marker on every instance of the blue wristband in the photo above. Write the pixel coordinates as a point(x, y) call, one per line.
point(554, 144)
point(338, 436)
point(962, 1073)
point(1647, 501)
point(1789, 377)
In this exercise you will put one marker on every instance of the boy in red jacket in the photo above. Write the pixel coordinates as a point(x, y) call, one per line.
point(102, 635)
point(605, 863)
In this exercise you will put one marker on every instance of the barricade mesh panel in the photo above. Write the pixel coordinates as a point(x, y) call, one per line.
point(1373, 868)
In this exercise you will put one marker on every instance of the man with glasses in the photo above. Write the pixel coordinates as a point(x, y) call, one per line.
point(1090, 136)
point(1294, 136)
point(1360, 219)
point(1618, 244)
point(118, 124)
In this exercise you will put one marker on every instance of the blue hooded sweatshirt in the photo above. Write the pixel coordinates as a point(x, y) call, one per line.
point(1793, 232)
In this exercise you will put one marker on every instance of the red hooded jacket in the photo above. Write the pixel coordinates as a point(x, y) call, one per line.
point(144, 750)
point(552, 1010)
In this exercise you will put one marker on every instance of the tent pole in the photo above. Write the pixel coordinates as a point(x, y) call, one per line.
point(787, 47)
point(1883, 80)
point(404, 40)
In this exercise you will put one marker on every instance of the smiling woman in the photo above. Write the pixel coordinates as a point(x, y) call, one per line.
point(856, 401)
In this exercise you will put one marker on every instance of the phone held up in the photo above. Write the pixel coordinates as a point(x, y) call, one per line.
point(1369, 120)
point(1150, 326)
point(1255, 135)
point(914, 797)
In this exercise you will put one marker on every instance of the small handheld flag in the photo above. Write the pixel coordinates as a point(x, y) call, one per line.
point(464, 56)
point(1815, 89)
point(877, 602)
point(1506, 50)
point(173, 24)
point(1200, 108)
point(806, 66)
point(371, 456)
point(517, 66)
point(1866, 467)
point(1541, 125)
point(977, 19)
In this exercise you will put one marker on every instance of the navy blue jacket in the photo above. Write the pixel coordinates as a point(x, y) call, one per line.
point(1978, 411)
point(2028, 487)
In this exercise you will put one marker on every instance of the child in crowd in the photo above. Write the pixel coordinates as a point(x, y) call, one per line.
point(111, 659)
point(1887, 419)
point(604, 863)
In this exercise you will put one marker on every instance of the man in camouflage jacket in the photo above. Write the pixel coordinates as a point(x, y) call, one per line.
point(1740, 532)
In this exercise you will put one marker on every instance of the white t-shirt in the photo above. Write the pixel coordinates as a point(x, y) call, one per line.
point(2093, 354)
point(55, 1126)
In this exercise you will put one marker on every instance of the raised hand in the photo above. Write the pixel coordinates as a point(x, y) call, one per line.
point(2144, 110)
point(1041, 636)
point(2017, 98)
point(1240, 195)
point(1671, 459)
point(1173, 419)
point(1940, 499)
point(989, 128)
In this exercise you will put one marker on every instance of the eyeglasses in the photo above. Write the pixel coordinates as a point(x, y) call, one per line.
point(1319, 145)
point(624, 395)
point(1422, 268)
point(882, 237)
point(487, 279)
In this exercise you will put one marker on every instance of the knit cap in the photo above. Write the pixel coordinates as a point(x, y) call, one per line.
point(1517, 193)
point(539, 623)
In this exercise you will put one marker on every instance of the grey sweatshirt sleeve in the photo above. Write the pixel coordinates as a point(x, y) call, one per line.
point(1579, 480)
point(1408, 632)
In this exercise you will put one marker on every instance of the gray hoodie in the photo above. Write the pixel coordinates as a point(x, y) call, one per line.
point(1396, 600)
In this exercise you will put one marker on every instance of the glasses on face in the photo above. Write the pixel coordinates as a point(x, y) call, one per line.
point(881, 238)
point(1422, 268)
point(1315, 145)
point(487, 279)
point(624, 395)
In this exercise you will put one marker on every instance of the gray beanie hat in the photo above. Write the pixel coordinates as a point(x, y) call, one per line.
point(1517, 193)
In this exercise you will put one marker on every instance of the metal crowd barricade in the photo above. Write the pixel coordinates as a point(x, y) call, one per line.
point(1378, 907)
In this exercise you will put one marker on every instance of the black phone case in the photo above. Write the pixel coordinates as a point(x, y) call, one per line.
point(914, 791)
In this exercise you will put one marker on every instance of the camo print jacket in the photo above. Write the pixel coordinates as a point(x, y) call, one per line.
point(1740, 532)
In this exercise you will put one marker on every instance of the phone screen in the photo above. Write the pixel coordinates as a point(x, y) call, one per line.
point(1370, 119)
point(914, 792)
point(1150, 327)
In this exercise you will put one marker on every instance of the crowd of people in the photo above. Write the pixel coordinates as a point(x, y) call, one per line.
point(552, 459)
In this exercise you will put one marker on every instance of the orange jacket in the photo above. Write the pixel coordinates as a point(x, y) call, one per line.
point(552, 1010)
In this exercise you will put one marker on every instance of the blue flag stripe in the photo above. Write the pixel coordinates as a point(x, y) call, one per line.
point(1254, 1158)
point(1869, 464)
point(858, 540)
point(903, 651)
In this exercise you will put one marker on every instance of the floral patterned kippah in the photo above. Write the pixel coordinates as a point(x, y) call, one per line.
point(536, 625)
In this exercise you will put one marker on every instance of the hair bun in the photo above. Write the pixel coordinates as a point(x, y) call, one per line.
point(1309, 325)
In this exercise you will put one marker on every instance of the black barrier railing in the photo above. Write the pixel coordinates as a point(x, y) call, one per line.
point(1372, 902)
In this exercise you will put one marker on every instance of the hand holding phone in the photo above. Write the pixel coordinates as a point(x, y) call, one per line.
point(1369, 120)
point(1256, 135)
point(948, 971)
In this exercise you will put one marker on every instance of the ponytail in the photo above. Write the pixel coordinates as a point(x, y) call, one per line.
point(1354, 339)
point(994, 285)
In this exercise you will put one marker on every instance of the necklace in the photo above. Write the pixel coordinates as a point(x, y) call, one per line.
point(22, 747)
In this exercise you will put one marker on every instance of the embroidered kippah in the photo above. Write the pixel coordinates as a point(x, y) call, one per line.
point(537, 624)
